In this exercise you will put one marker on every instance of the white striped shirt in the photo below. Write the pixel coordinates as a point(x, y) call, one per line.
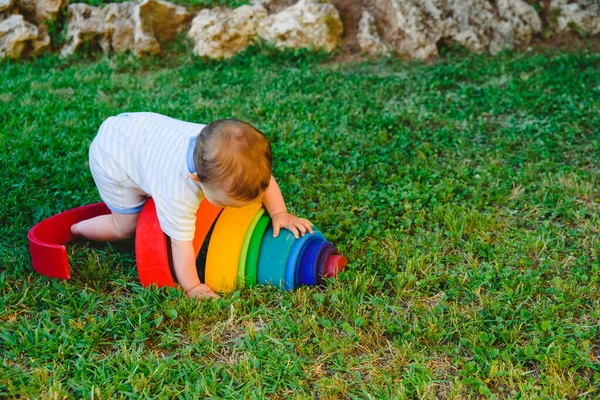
point(152, 149)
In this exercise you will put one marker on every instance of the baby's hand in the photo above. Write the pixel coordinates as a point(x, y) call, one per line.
point(298, 226)
point(202, 291)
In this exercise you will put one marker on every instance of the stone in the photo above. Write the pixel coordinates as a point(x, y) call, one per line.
point(512, 23)
point(475, 25)
point(119, 26)
point(368, 37)
point(39, 13)
point(41, 10)
point(222, 33)
point(127, 26)
point(5, 5)
point(306, 24)
point(523, 19)
point(579, 15)
point(156, 21)
point(42, 42)
point(15, 35)
point(416, 28)
point(84, 23)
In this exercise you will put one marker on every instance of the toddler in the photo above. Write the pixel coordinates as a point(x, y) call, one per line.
point(177, 163)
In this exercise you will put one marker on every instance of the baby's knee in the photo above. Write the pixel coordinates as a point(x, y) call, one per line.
point(124, 234)
point(125, 226)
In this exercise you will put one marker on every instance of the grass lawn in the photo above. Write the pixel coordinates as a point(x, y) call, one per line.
point(465, 193)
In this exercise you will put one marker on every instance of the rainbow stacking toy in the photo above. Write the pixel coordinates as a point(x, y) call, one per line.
point(235, 248)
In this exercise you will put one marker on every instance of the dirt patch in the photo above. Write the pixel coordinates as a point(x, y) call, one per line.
point(564, 42)
point(567, 42)
point(350, 12)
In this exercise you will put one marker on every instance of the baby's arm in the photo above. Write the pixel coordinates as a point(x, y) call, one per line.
point(184, 264)
point(275, 205)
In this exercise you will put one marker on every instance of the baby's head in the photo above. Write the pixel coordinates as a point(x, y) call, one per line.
point(233, 162)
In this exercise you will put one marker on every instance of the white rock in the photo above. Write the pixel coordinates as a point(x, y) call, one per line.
point(523, 19)
point(477, 28)
point(156, 21)
point(84, 23)
point(128, 26)
point(42, 42)
point(119, 25)
point(475, 24)
point(304, 25)
point(583, 14)
point(421, 25)
point(41, 10)
point(5, 5)
point(15, 33)
point(368, 37)
point(222, 33)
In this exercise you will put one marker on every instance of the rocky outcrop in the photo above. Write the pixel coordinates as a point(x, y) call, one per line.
point(39, 11)
point(33, 14)
point(368, 37)
point(42, 42)
point(15, 35)
point(85, 24)
point(306, 24)
point(523, 21)
point(128, 26)
point(582, 15)
point(119, 26)
point(156, 22)
point(222, 33)
point(5, 5)
point(416, 28)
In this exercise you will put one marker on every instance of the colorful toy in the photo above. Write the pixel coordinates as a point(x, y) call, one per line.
point(226, 259)
point(152, 245)
point(242, 251)
point(235, 248)
point(47, 239)
point(273, 256)
point(254, 250)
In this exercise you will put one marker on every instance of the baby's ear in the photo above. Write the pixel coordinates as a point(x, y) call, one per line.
point(194, 177)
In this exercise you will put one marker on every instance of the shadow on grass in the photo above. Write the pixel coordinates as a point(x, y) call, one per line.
point(99, 265)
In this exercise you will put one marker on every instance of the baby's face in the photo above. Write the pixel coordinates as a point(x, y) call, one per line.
point(220, 198)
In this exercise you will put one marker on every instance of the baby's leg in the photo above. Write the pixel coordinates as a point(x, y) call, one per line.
point(107, 228)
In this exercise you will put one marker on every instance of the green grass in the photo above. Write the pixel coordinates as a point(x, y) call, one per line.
point(464, 192)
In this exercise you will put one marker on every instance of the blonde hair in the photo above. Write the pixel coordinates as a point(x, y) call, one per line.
point(234, 156)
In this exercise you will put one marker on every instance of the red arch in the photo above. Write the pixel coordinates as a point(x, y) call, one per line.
point(47, 239)
point(151, 253)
